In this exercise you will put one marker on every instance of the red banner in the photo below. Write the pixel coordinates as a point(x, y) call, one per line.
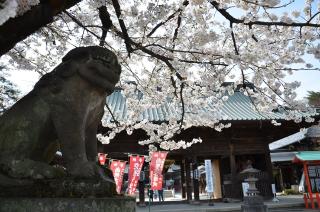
point(102, 158)
point(117, 168)
point(156, 166)
point(136, 164)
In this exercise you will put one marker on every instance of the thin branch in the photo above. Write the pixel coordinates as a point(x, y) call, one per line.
point(182, 51)
point(74, 19)
point(234, 41)
point(163, 22)
point(30, 61)
point(115, 120)
point(202, 62)
point(175, 35)
point(299, 69)
point(285, 101)
point(268, 6)
point(313, 17)
point(253, 36)
point(163, 58)
point(185, 3)
point(255, 106)
point(232, 19)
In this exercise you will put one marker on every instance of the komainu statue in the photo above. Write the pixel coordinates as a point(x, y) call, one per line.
point(62, 112)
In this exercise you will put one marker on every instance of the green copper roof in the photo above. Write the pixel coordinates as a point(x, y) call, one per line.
point(237, 107)
point(307, 156)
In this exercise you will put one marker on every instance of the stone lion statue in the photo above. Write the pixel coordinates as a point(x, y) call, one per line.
point(62, 112)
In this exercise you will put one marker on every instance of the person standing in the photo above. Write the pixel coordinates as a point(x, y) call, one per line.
point(160, 193)
point(150, 195)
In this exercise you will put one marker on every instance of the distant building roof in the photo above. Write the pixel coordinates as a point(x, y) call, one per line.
point(288, 140)
point(282, 156)
point(237, 107)
point(307, 156)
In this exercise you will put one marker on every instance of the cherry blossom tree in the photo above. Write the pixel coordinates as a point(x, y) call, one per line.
point(8, 93)
point(179, 52)
point(314, 98)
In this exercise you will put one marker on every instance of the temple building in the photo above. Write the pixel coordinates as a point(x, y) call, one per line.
point(246, 141)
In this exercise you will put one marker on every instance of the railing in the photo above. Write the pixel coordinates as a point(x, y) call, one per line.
point(313, 198)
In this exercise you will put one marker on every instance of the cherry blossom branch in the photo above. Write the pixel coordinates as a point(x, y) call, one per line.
point(202, 62)
point(174, 85)
point(234, 40)
point(185, 3)
point(105, 21)
point(74, 19)
point(122, 26)
point(299, 69)
point(30, 61)
point(232, 19)
point(244, 82)
point(182, 104)
point(163, 22)
point(175, 35)
point(312, 17)
point(139, 46)
point(289, 104)
point(268, 6)
point(115, 120)
point(182, 51)
point(253, 36)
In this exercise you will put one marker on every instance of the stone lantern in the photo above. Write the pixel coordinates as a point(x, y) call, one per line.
point(253, 202)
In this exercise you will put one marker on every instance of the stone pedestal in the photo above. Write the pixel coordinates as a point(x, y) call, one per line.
point(116, 204)
point(253, 204)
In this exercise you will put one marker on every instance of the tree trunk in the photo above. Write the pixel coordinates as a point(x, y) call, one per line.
point(18, 28)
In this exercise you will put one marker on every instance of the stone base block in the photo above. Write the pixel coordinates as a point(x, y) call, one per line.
point(253, 204)
point(116, 204)
point(254, 208)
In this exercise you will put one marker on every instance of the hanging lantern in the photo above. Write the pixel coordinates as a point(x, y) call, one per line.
point(102, 158)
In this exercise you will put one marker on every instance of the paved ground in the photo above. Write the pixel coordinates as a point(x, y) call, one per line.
point(302, 209)
point(286, 204)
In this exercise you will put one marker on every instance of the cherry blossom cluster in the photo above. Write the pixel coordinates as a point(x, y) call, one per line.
point(177, 55)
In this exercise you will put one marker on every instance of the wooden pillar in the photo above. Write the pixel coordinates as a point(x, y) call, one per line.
point(141, 189)
point(196, 176)
point(281, 180)
point(183, 179)
point(270, 179)
point(217, 194)
point(188, 180)
point(233, 170)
